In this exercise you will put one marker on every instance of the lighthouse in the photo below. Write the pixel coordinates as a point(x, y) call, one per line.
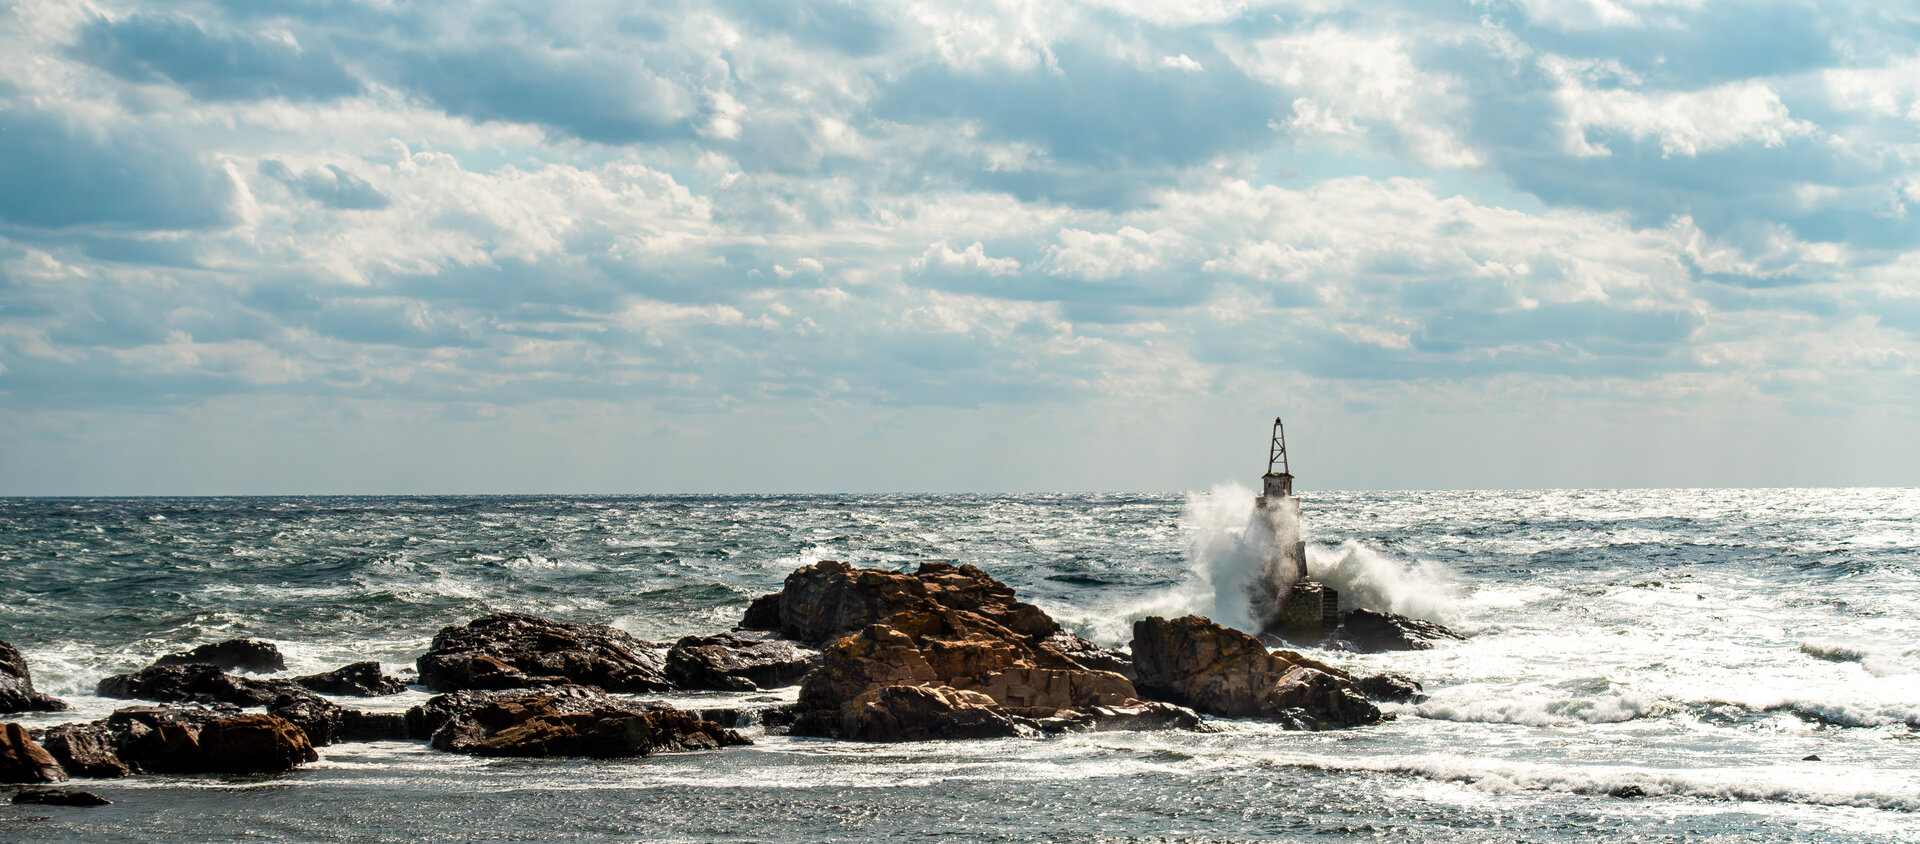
point(1308, 609)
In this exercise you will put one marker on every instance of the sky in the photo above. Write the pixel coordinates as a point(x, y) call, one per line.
point(516, 246)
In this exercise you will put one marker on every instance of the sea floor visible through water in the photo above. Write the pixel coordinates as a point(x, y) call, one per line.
point(1649, 665)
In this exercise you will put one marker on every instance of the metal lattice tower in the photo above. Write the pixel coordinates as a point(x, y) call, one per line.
point(1278, 481)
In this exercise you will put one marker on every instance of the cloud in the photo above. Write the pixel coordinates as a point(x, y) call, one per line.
point(60, 170)
point(180, 50)
point(331, 186)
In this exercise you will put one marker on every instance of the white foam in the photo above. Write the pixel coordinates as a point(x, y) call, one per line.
point(1543, 711)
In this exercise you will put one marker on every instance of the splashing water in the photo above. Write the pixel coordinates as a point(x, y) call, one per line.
point(1238, 553)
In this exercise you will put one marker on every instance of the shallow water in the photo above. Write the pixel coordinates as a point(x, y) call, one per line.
point(1693, 645)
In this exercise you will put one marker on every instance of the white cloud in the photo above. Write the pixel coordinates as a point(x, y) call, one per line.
point(1180, 62)
point(1685, 123)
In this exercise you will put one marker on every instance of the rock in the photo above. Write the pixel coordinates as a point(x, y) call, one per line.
point(1220, 671)
point(194, 682)
point(1391, 688)
point(61, 797)
point(877, 656)
point(516, 650)
point(16, 685)
point(921, 713)
point(576, 725)
point(322, 720)
point(736, 662)
point(201, 739)
point(361, 679)
point(1135, 716)
point(426, 719)
point(373, 726)
point(830, 599)
point(1627, 792)
point(1089, 655)
point(231, 655)
point(1369, 631)
point(763, 613)
point(84, 750)
point(1811, 757)
point(23, 760)
point(1049, 688)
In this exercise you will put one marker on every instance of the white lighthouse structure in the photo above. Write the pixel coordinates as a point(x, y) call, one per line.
point(1307, 609)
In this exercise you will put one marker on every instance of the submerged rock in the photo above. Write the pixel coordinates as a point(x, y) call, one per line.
point(1369, 631)
point(16, 685)
point(61, 797)
point(231, 655)
point(516, 650)
point(360, 679)
point(1220, 671)
point(738, 662)
point(23, 760)
point(194, 682)
point(565, 721)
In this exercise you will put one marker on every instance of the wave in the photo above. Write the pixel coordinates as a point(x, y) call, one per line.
point(1546, 711)
point(1876, 660)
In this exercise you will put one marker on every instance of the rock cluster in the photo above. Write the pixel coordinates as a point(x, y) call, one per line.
point(739, 661)
point(160, 739)
point(232, 655)
point(567, 721)
point(1368, 631)
point(1221, 671)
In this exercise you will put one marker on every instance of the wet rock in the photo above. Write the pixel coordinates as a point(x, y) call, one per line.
point(253, 744)
point(16, 685)
point(1135, 716)
point(194, 682)
point(1369, 631)
point(426, 719)
point(830, 599)
point(877, 656)
point(1391, 688)
point(1811, 757)
point(763, 613)
point(922, 713)
point(206, 739)
point(322, 720)
point(1220, 671)
point(738, 662)
point(1049, 688)
point(231, 655)
point(61, 797)
point(1088, 655)
point(373, 726)
point(1627, 792)
point(84, 750)
point(544, 724)
point(23, 760)
point(360, 679)
point(516, 650)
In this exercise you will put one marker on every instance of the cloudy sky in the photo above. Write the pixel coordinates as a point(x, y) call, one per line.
point(361, 246)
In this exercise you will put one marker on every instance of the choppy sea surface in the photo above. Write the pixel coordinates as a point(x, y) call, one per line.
point(1650, 665)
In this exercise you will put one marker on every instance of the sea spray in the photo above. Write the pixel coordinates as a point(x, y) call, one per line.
point(1368, 579)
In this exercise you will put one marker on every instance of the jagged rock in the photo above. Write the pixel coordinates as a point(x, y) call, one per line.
point(84, 750)
point(1049, 688)
point(426, 719)
point(1391, 688)
point(360, 679)
point(16, 685)
point(253, 744)
point(1220, 671)
point(61, 797)
point(575, 725)
point(516, 650)
point(322, 720)
point(1134, 716)
point(877, 656)
point(203, 739)
point(373, 726)
point(763, 613)
point(195, 682)
point(736, 662)
point(921, 713)
point(1089, 655)
point(23, 760)
point(231, 655)
point(1369, 631)
point(831, 599)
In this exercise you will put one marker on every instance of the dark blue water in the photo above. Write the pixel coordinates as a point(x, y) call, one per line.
point(1694, 644)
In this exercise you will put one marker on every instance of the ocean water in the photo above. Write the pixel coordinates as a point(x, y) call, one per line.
point(1645, 665)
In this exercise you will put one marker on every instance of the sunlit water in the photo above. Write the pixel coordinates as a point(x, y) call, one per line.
point(1689, 646)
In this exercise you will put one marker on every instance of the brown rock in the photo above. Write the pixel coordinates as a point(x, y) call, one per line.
point(231, 655)
point(738, 662)
point(921, 713)
point(16, 685)
point(831, 599)
point(60, 797)
point(516, 650)
point(194, 682)
point(84, 750)
point(24, 760)
point(1050, 688)
point(252, 744)
point(360, 679)
point(1220, 671)
point(575, 725)
point(176, 739)
point(878, 656)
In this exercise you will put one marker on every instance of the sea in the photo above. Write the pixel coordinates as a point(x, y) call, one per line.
point(1707, 665)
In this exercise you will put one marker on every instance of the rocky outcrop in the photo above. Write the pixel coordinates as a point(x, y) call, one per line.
point(516, 650)
point(206, 740)
point(194, 682)
point(1368, 631)
point(1391, 688)
point(360, 679)
point(231, 655)
point(1220, 671)
point(84, 750)
point(373, 726)
point(322, 720)
point(563, 721)
point(738, 662)
point(60, 797)
point(23, 760)
point(830, 599)
point(984, 652)
point(16, 685)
